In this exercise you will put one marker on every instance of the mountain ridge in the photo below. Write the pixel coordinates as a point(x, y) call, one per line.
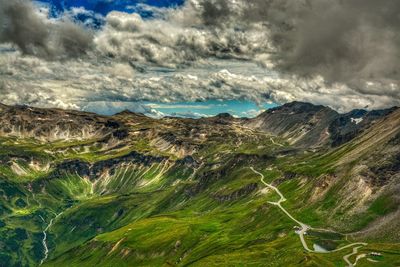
point(139, 191)
point(314, 125)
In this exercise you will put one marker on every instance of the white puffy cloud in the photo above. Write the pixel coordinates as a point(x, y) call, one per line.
point(189, 114)
point(75, 83)
point(178, 56)
point(178, 39)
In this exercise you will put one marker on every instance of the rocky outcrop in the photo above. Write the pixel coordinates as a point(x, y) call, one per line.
point(188, 161)
point(204, 180)
point(134, 157)
point(348, 126)
point(171, 143)
point(383, 173)
point(54, 124)
point(286, 177)
point(94, 170)
point(79, 167)
point(242, 192)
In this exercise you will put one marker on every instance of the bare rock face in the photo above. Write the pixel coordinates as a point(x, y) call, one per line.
point(54, 124)
point(300, 123)
point(348, 126)
point(308, 125)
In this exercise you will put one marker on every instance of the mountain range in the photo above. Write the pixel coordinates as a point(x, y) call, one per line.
point(298, 185)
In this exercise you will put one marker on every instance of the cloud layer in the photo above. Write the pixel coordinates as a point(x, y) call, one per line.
point(351, 41)
point(344, 54)
point(33, 33)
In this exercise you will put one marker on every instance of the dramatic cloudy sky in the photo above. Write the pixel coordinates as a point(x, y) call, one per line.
point(199, 57)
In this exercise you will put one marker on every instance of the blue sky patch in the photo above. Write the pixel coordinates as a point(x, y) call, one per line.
point(208, 108)
point(104, 7)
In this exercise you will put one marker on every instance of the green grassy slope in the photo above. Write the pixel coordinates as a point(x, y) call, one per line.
point(176, 202)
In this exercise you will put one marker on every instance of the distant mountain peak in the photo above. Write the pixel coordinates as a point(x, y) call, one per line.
point(296, 107)
point(307, 124)
point(128, 112)
point(224, 116)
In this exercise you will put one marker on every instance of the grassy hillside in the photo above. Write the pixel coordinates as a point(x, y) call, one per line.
point(167, 195)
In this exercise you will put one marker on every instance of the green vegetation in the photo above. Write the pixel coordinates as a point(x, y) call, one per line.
point(146, 202)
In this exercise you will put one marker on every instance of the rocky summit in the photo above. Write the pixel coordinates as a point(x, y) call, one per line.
point(299, 185)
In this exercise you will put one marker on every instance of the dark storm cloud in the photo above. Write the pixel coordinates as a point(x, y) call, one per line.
point(212, 49)
point(215, 12)
point(344, 41)
point(34, 34)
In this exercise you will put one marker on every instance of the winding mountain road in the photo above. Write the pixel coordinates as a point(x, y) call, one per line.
point(304, 227)
point(355, 252)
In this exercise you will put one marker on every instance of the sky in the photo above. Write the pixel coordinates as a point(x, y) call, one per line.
point(196, 58)
point(237, 108)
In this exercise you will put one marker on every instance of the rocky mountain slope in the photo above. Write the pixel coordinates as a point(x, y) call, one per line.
point(307, 125)
point(79, 189)
point(54, 124)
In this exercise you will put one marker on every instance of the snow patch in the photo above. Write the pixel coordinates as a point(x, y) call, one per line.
point(356, 120)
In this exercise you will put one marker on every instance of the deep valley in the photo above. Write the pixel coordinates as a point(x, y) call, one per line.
point(299, 185)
